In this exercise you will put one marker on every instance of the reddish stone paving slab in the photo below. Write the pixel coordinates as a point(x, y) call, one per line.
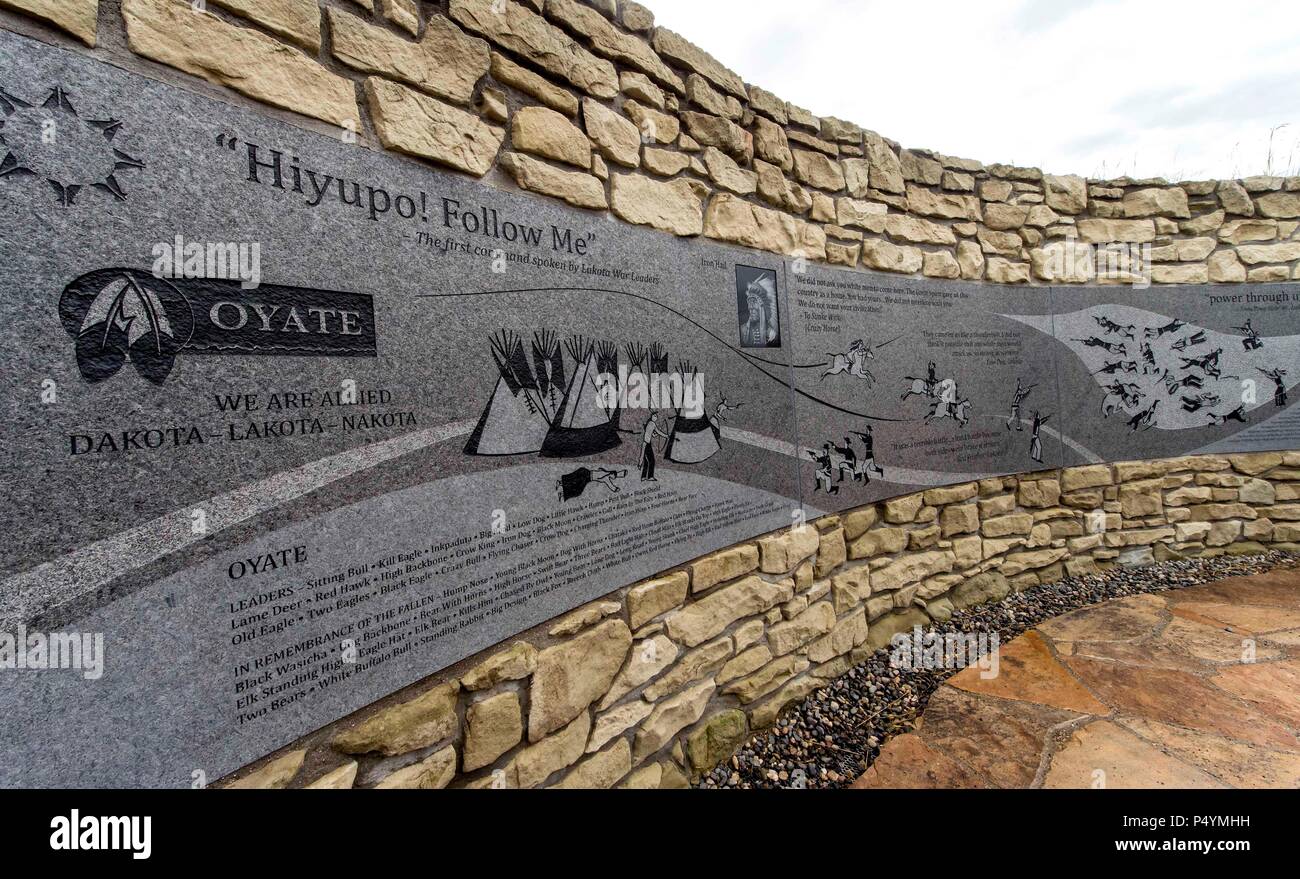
point(1106, 756)
point(1180, 699)
point(1274, 589)
point(999, 739)
point(1194, 688)
point(1214, 643)
point(1126, 619)
point(1272, 687)
point(1028, 672)
point(1146, 655)
point(1246, 618)
point(1234, 763)
point(910, 763)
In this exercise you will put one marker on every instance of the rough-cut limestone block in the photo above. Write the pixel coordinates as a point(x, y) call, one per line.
point(274, 775)
point(534, 764)
point(544, 132)
point(246, 60)
point(654, 126)
point(980, 589)
point(647, 600)
point(600, 771)
point(446, 63)
point(572, 675)
point(492, 727)
point(744, 664)
point(296, 20)
point(765, 714)
point(513, 664)
point(886, 168)
point(1138, 499)
point(944, 205)
point(669, 206)
point(1171, 202)
point(648, 659)
point(724, 171)
point(847, 634)
point(891, 258)
point(584, 618)
point(781, 553)
point(434, 772)
point(617, 138)
point(1279, 204)
point(818, 170)
point(671, 717)
point(831, 553)
point(525, 33)
point(678, 50)
point(610, 42)
point(341, 778)
point(709, 616)
point(1215, 512)
point(636, 17)
point(575, 187)
point(1106, 231)
point(917, 230)
point(710, 130)
point(850, 588)
point(705, 662)
point(728, 218)
point(537, 87)
point(1067, 194)
point(414, 123)
point(722, 566)
point(1077, 478)
point(408, 726)
point(857, 522)
point(1004, 526)
point(911, 569)
point(716, 739)
point(767, 679)
point(884, 629)
point(882, 541)
point(77, 17)
point(938, 497)
point(786, 637)
point(964, 519)
point(1020, 562)
point(616, 722)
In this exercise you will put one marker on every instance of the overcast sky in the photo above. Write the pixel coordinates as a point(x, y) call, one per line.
point(1182, 89)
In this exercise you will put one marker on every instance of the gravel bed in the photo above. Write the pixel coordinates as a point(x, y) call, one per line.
point(836, 733)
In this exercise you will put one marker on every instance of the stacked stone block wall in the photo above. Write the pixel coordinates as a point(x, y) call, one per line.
point(592, 104)
point(658, 682)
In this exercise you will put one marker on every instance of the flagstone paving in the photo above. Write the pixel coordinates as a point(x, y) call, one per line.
point(1195, 688)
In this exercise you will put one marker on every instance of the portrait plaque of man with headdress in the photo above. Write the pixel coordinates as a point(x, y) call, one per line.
point(757, 308)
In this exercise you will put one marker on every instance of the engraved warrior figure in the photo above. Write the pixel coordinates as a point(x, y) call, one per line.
point(1016, 401)
point(1252, 342)
point(1279, 379)
point(868, 463)
point(824, 469)
point(648, 435)
point(1035, 440)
